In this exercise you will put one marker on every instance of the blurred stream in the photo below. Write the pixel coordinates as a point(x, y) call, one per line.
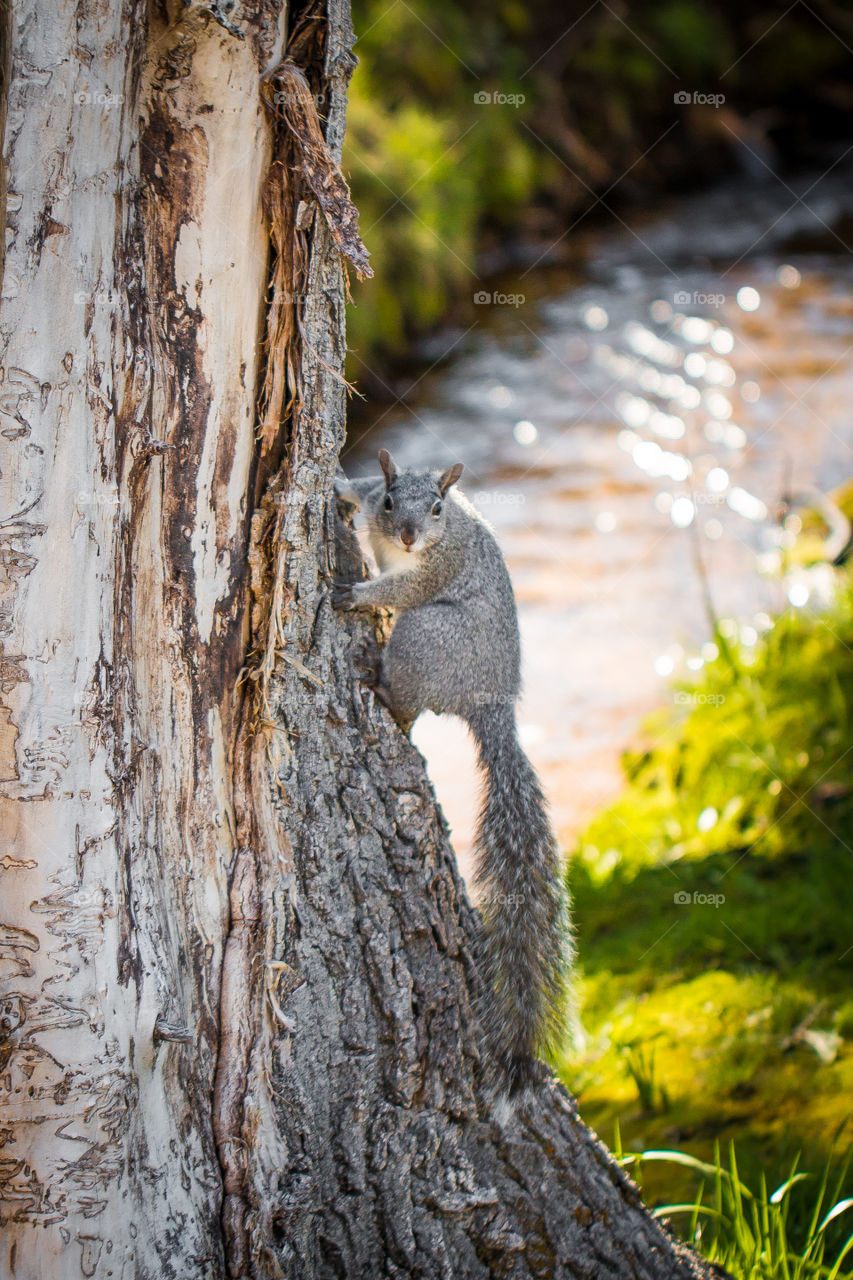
point(621, 421)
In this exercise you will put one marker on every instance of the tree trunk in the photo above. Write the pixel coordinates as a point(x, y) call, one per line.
point(238, 1032)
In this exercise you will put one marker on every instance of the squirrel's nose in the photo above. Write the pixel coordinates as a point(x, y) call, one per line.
point(408, 536)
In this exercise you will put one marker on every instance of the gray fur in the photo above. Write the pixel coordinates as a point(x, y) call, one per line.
point(455, 650)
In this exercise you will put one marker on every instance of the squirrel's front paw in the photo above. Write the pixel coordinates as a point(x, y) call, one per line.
point(343, 595)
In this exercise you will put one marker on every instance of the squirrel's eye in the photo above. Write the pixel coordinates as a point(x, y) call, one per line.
point(436, 510)
point(388, 504)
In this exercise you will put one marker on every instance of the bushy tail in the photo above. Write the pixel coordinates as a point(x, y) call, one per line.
point(523, 901)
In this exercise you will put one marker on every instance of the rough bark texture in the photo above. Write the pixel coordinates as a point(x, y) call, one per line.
point(238, 1031)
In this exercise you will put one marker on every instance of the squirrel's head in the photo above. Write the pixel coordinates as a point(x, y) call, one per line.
point(411, 513)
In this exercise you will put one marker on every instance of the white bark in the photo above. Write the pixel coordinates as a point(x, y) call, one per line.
point(132, 305)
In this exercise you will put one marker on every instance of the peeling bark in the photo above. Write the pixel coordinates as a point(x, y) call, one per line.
point(238, 1030)
point(5, 74)
point(128, 438)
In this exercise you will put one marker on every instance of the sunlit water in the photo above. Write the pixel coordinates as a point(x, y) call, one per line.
point(625, 429)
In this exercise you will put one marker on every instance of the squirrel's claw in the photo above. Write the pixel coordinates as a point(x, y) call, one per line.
point(343, 595)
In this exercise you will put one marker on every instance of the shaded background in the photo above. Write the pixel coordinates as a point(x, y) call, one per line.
point(613, 276)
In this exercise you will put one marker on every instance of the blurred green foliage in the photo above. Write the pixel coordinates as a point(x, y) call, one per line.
point(712, 903)
point(428, 165)
point(437, 176)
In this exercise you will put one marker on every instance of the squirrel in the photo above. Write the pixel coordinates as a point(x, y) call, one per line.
point(455, 649)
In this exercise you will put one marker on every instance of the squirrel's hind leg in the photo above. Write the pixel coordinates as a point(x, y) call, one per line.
point(373, 677)
point(420, 663)
point(383, 693)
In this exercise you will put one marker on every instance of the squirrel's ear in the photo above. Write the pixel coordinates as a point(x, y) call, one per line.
point(389, 471)
point(449, 477)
